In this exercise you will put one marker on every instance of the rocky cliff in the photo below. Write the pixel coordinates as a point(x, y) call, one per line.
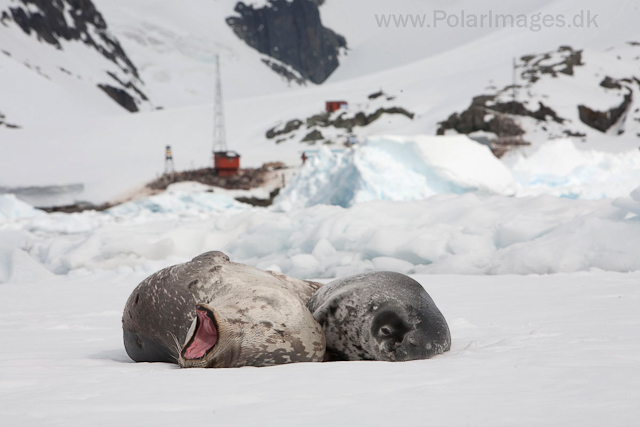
point(3, 123)
point(291, 33)
point(57, 22)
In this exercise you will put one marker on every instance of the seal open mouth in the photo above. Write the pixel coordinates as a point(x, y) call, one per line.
point(204, 337)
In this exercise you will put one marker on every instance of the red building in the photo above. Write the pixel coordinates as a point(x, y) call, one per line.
point(335, 105)
point(226, 163)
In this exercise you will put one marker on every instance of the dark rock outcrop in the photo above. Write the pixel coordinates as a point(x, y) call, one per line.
point(290, 126)
point(573, 134)
point(57, 21)
point(484, 114)
point(610, 83)
point(348, 122)
point(290, 32)
point(344, 120)
point(376, 95)
point(263, 203)
point(284, 72)
point(3, 123)
point(78, 207)
point(49, 20)
point(536, 65)
point(313, 136)
point(121, 97)
point(245, 179)
point(603, 120)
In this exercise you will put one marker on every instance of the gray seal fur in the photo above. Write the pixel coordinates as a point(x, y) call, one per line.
point(261, 317)
point(379, 316)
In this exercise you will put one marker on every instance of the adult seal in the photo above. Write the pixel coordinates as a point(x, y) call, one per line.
point(379, 316)
point(213, 313)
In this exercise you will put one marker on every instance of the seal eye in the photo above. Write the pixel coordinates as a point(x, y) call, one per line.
point(389, 326)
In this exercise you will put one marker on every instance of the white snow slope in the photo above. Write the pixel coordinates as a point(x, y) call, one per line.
point(431, 71)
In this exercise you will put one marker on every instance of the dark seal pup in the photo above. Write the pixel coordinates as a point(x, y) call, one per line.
point(211, 312)
point(379, 316)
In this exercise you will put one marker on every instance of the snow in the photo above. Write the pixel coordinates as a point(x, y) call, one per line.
point(397, 168)
point(559, 168)
point(184, 203)
point(415, 168)
point(449, 233)
point(526, 350)
point(11, 207)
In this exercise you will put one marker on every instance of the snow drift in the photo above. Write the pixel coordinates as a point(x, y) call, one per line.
point(462, 234)
point(415, 168)
point(412, 205)
point(559, 168)
point(398, 168)
point(11, 208)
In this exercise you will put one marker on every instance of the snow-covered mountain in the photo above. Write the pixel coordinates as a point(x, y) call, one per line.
point(61, 54)
point(582, 94)
point(79, 135)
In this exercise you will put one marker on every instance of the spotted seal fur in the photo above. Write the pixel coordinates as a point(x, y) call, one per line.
point(379, 316)
point(211, 312)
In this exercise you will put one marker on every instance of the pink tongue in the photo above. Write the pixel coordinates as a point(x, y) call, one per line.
point(205, 338)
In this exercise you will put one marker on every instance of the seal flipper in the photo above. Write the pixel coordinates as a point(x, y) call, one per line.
point(142, 349)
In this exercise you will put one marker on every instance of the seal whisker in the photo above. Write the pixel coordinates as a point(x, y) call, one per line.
point(178, 346)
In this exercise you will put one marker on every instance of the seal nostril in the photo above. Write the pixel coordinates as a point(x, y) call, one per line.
point(389, 346)
point(413, 342)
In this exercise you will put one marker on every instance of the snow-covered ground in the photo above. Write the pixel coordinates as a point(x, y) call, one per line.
point(529, 347)
point(527, 350)
point(409, 204)
point(533, 259)
point(463, 234)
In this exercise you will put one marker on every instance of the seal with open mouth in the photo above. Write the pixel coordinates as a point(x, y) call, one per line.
point(213, 313)
point(379, 316)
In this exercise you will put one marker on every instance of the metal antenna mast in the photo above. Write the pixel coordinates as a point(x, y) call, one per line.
point(219, 133)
